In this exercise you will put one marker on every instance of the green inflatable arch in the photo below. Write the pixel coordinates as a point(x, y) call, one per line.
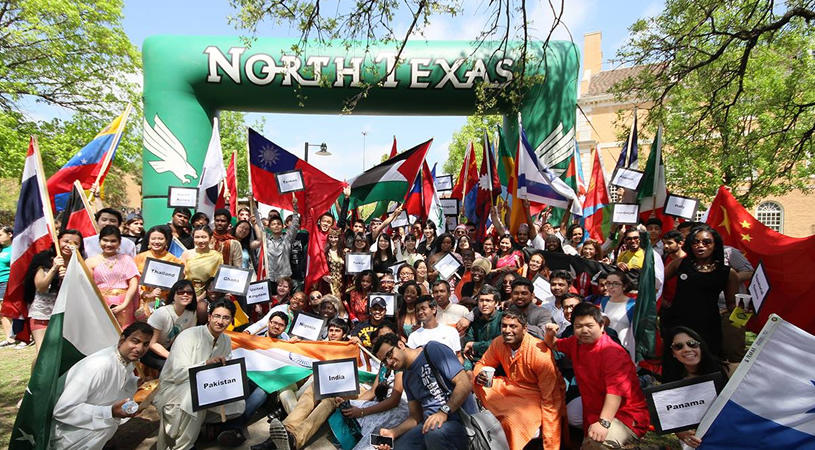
point(187, 79)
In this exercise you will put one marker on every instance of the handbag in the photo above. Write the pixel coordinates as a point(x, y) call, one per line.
point(484, 431)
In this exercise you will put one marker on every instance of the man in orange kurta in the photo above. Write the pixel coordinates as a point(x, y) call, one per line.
point(527, 392)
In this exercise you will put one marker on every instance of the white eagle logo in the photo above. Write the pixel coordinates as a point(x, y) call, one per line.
point(165, 146)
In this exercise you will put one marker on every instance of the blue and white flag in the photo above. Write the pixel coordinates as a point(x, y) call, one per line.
point(213, 172)
point(770, 400)
point(537, 183)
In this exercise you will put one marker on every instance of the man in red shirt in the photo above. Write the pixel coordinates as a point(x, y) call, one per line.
point(614, 408)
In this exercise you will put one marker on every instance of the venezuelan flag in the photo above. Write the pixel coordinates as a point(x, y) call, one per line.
point(87, 165)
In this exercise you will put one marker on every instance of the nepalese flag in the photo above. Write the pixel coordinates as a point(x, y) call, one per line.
point(489, 187)
point(390, 180)
point(31, 233)
point(266, 159)
point(597, 217)
point(769, 401)
point(212, 173)
point(87, 165)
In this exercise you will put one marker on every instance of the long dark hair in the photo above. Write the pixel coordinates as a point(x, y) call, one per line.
point(402, 310)
point(358, 281)
point(178, 285)
point(673, 370)
point(440, 239)
point(718, 250)
point(388, 252)
point(163, 229)
point(45, 259)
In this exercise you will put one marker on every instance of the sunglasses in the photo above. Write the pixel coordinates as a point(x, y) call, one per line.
point(692, 343)
point(632, 238)
point(316, 297)
point(184, 292)
point(705, 242)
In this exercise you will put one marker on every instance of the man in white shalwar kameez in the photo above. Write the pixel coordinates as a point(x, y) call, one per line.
point(196, 346)
point(89, 410)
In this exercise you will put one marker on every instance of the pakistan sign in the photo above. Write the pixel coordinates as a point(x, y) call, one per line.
point(188, 79)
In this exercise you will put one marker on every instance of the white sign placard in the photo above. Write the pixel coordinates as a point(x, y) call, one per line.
point(335, 378)
point(625, 213)
point(682, 207)
point(682, 404)
point(218, 384)
point(291, 181)
point(357, 262)
point(182, 197)
point(232, 280)
point(444, 183)
point(259, 292)
point(451, 222)
point(160, 274)
point(395, 269)
point(307, 326)
point(629, 179)
point(401, 220)
point(447, 266)
point(449, 206)
point(390, 302)
point(759, 286)
point(542, 290)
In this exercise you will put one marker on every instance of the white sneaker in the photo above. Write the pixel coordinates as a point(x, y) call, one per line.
point(23, 345)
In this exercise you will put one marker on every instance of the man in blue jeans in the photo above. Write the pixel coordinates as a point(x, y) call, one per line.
point(433, 422)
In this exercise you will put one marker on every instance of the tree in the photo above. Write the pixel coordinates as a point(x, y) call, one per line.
point(233, 138)
point(472, 131)
point(733, 82)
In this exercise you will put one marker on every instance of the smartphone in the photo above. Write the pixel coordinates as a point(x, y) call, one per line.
point(381, 440)
point(345, 405)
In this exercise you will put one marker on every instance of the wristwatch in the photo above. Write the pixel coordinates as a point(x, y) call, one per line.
point(446, 409)
point(604, 423)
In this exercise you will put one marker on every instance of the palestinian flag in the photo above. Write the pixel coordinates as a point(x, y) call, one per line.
point(77, 213)
point(391, 179)
point(73, 333)
point(273, 364)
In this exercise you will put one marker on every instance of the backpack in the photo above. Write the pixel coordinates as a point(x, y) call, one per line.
point(484, 431)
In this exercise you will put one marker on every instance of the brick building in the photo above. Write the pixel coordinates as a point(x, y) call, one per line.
point(792, 214)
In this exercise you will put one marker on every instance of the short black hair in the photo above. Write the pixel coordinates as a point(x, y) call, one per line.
point(673, 235)
point(563, 275)
point(222, 302)
point(587, 309)
point(183, 211)
point(137, 327)
point(339, 322)
point(431, 302)
point(572, 295)
point(110, 211)
point(389, 338)
point(110, 230)
point(282, 315)
point(490, 290)
point(688, 224)
point(523, 282)
point(222, 212)
point(654, 221)
point(199, 215)
point(444, 282)
point(513, 312)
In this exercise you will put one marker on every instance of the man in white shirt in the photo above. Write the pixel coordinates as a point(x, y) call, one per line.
point(431, 329)
point(89, 410)
point(447, 312)
point(108, 216)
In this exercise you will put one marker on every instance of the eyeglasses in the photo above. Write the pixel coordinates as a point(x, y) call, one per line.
point(613, 283)
point(218, 318)
point(389, 355)
point(184, 292)
point(568, 307)
point(705, 242)
point(692, 343)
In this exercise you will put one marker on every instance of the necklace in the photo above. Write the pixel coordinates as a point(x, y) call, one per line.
point(110, 262)
point(705, 267)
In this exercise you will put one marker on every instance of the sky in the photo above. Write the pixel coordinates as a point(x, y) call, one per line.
point(343, 134)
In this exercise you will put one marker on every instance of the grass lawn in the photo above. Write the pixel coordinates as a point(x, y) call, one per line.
point(15, 367)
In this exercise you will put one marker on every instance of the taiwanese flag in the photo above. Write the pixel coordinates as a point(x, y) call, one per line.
point(91, 162)
point(77, 215)
point(788, 262)
point(267, 159)
point(414, 201)
point(489, 187)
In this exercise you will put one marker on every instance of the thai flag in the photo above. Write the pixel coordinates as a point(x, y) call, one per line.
point(770, 400)
point(31, 232)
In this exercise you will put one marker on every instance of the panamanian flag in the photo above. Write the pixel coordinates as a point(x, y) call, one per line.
point(770, 400)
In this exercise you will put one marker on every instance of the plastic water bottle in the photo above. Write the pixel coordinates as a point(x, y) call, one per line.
point(130, 407)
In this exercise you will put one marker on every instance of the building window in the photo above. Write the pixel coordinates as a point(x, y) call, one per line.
point(771, 214)
point(700, 214)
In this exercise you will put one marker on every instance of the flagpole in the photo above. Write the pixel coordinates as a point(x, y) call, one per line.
point(44, 196)
point(85, 203)
point(657, 164)
point(113, 144)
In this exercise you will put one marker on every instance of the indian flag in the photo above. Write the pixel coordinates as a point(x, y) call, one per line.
point(274, 364)
point(390, 180)
point(81, 324)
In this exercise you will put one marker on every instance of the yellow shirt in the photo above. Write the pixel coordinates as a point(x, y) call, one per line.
point(632, 259)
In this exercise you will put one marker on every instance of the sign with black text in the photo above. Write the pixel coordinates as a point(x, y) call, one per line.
point(357, 262)
point(447, 266)
point(290, 181)
point(629, 179)
point(182, 197)
point(682, 207)
point(759, 287)
point(307, 326)
point(401, 220)
point(390, 302)
point(444, 183)
point(335, 378)
point(160, 274)
point(449, 206)
point(259, 292)
point(625, 213)
point(232, 280)
point(218, 384)
point(680, 405)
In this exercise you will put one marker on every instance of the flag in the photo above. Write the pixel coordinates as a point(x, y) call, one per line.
point(574, 175)
point(414, 202)
point(489, 187)
point(537, 183)
point(654, 192)
point(381, 208)
point(597, 216)
point(74, 332)
point(644, 322)
point(273, 364)
point(90, 163)
point(267, 159)
point(212, 173)
point(435, 213)
point(467, 176)
point(77, 214)
point(507, 163)
point(31, 232)
point(232, 185)
point(770, 400)
point(626, 160)
point(389, 180)
point(176, 247)
point(788, 262)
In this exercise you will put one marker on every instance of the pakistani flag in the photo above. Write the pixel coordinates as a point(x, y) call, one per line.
point(390, 180)
point(81, 324)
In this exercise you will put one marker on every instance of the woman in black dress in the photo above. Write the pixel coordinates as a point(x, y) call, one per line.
point(703, 275)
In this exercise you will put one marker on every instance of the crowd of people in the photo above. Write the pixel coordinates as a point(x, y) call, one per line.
point(483, 337)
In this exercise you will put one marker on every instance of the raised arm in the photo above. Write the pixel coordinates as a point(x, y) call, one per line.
point(376, 231)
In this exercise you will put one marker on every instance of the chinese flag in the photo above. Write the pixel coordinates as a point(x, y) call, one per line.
point(788, 262)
